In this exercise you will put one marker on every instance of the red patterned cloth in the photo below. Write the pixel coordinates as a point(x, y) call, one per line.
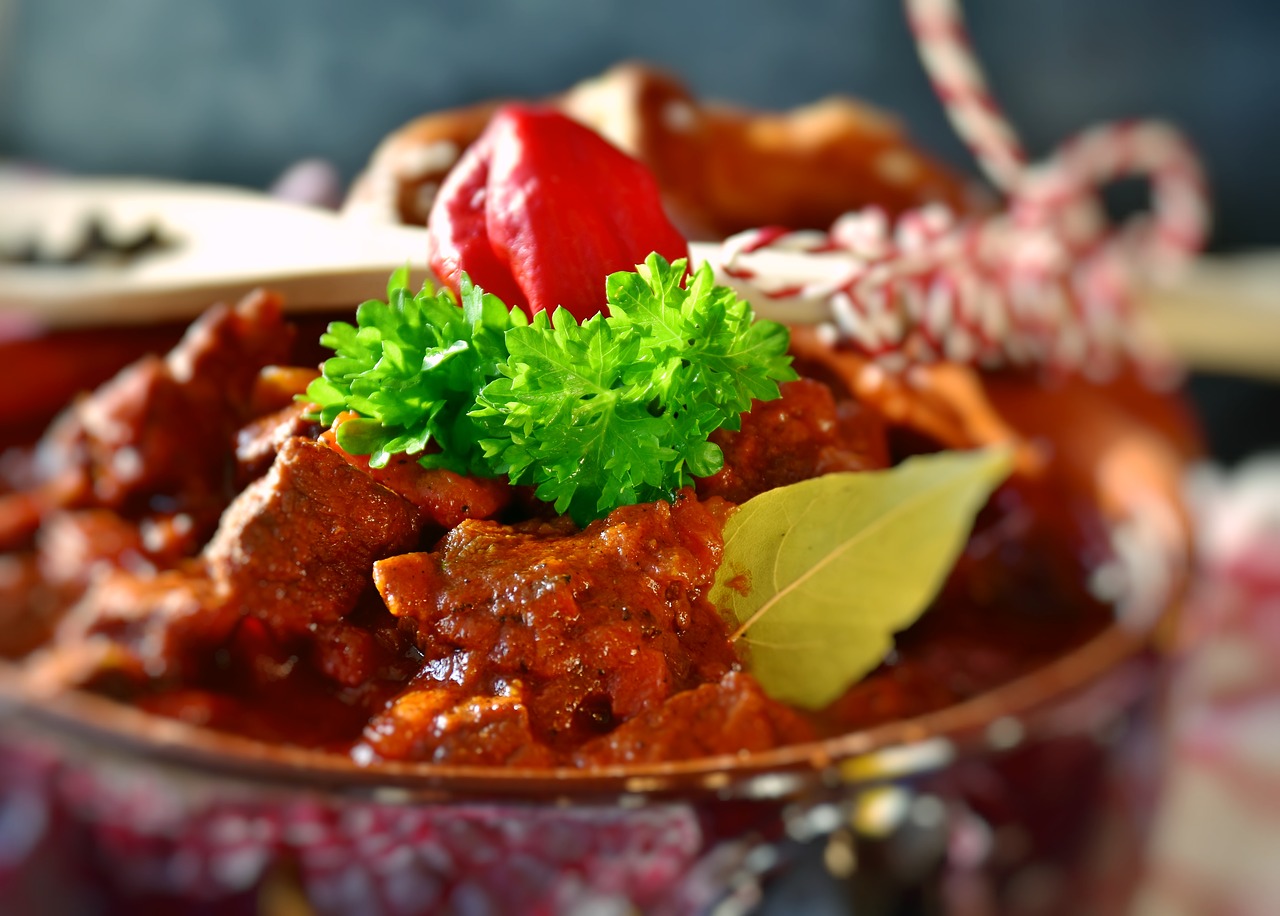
point(1215, 848)
point(73, 829)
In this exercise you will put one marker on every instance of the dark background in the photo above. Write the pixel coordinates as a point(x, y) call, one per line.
point(236, 90)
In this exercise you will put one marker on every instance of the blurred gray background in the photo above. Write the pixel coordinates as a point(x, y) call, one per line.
point(236, 90)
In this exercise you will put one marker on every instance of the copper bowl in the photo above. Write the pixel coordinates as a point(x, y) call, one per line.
point(103, 799)
point(168, 811)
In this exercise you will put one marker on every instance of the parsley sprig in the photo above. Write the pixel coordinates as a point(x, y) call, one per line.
point(411, 367)
point(613, 411)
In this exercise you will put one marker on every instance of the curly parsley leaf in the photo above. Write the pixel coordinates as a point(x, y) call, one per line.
point(566, 420)
point(410, 367)
point(613, 411)
point(720, 357)
point(618, 410)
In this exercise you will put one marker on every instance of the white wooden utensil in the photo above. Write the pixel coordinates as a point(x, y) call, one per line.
point(225, 241)
point(221, 242)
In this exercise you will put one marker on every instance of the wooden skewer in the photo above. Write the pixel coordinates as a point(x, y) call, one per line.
point(1224, 316)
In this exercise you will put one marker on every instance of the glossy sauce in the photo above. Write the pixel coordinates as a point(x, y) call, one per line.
point(520, 640)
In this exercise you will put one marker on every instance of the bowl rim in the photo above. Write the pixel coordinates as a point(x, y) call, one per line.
point(861, 756)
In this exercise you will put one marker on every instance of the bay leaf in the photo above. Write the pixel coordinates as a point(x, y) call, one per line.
point(821, 574)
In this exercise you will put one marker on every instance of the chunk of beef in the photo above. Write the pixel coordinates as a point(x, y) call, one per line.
point(803, 434)
point(365, 647)
point(598, 626)
point(75, 547)
point(30, 607)
point(225, 349)
point(159, 436)
point(444, 498)
point(294, 552)
point(148, 627)
point(259, 441)
point(296, 548)
point(435, 725)
point(346, 654)
point(728, 717)
point(20, 515)
point(128, 440)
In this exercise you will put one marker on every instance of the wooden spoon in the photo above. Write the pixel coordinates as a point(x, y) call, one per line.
point(214, 243)
point(223, 241)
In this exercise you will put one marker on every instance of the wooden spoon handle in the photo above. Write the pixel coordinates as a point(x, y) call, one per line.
point(1225, 315)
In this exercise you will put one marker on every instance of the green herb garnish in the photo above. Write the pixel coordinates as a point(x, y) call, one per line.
point(411, 367)
point(596, 415)
point(822, 573)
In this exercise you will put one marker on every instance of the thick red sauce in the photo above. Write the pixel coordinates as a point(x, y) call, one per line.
point(414, 615)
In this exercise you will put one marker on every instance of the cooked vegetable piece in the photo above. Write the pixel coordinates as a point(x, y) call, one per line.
point(545, 206)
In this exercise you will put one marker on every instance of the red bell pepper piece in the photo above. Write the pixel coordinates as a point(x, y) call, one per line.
point(457, 238)
point(540, 209)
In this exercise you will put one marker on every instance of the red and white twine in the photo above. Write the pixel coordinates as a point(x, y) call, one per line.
point(947, 53)
point(1046, 281)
